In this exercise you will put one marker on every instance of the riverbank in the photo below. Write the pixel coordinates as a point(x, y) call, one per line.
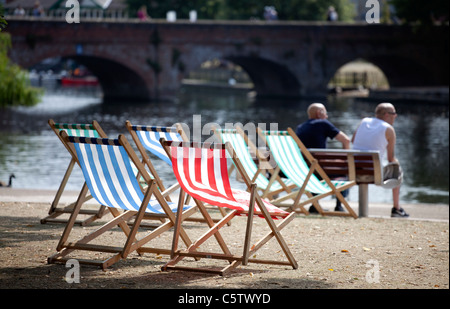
point(438, 95)
point(333, 253)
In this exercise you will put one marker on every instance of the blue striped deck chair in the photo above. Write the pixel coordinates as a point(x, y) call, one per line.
point(107, 168)
point(55, 212)
point(147, 139)
point(292, 156)
point(244, 148)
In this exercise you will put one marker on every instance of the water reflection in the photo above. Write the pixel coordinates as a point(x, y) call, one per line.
point(33, 153)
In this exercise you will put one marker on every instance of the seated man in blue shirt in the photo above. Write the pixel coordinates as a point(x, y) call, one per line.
point(314, 133)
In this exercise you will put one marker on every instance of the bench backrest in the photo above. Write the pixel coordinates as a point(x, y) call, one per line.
point(361, 166)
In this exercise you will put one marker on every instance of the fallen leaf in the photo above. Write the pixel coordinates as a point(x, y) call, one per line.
point(345, 251)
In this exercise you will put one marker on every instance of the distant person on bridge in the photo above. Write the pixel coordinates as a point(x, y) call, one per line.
point(378, 133)
point(270, 13)
point(38, 10)
point(142, 13)
point(19, 11)
point(314, 133)
point(332, 15)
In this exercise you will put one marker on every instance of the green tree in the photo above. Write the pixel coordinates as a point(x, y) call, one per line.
point(3, 22)
point(15, 86)
point(424, 12)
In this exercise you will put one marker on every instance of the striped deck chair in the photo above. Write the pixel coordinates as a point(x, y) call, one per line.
point(201, 170)
point(109, 176)
point(147, 138)
point(55, 213)
point(243, 148)
point(291, 156)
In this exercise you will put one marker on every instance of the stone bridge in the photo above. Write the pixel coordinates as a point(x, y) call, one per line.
point(136, 60)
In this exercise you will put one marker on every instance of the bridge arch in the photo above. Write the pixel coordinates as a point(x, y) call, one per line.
point(399, 71)
point(356, 74)
point(118, 82)
point(269, 78)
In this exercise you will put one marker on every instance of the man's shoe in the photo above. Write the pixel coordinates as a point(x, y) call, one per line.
point(398, 213)
point(313, 210)
point(338, 208)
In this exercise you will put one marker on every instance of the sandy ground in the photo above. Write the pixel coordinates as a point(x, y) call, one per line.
point(332, 253)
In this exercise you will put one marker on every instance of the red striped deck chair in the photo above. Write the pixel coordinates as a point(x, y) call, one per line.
point(56, 214)
point(108, 171)
point(201, 170)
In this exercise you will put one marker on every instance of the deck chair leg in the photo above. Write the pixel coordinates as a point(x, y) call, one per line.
point(276, 232)
point(214, 230)
point(210, 223)
point(137, 221)
point(261, 242)
point(341, 198)
point(300, 193)
point(271, 181)
point(62, 186)
point(176, 234)
point(248, 231)
point(73, 217)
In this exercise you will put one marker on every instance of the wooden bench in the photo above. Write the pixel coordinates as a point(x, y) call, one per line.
point(362, 166)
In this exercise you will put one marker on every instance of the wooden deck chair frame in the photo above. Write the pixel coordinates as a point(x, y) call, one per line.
point(66, 247)
point(91, 130)
point(233, 260)
point(313, 168)
point(244, 148)
point(143, 150)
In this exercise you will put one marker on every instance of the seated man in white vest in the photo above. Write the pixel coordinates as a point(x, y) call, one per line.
point(378, 133)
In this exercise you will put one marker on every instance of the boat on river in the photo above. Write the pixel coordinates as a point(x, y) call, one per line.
point(79, 81)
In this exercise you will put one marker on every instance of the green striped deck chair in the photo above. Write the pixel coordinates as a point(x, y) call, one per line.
point(244, 148)
point(109, 176)
point(55, 212)
point(292, 156)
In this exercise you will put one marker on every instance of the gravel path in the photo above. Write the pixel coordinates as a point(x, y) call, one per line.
point(332, 253)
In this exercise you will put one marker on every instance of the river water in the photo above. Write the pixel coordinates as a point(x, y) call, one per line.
point(30, 150)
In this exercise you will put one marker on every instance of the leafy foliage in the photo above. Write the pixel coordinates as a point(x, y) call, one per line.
point(15, 86)
point(3, 22)
point(424, 12)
